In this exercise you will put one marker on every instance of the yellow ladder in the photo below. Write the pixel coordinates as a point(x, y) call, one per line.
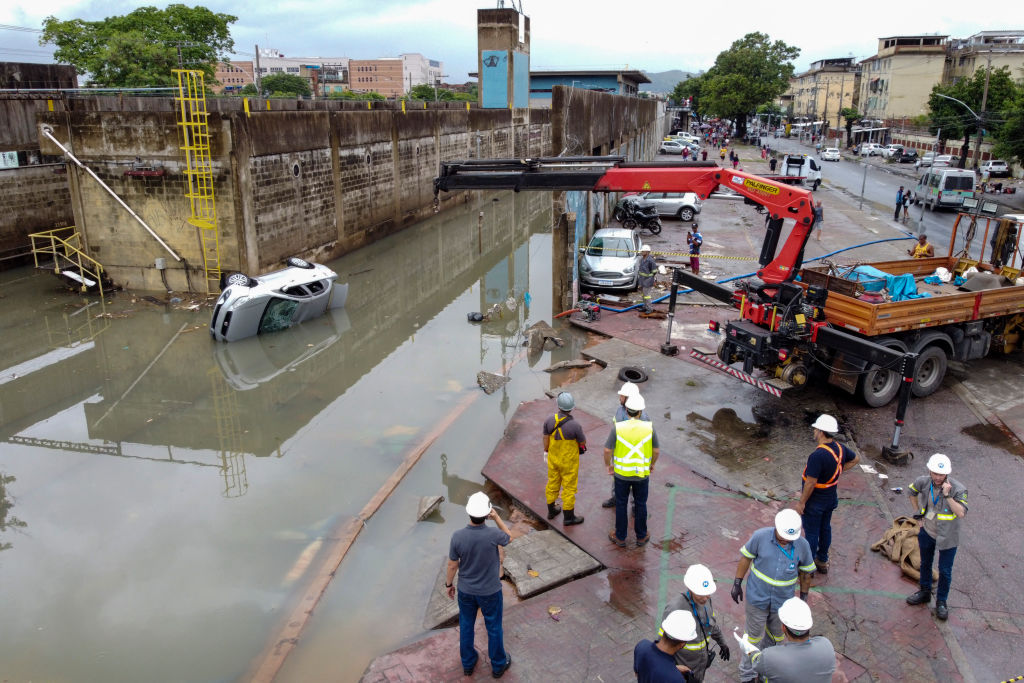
point(229, 435)
point(199, 170)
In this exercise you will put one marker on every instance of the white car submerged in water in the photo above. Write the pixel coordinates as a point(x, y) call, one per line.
point(275, 301)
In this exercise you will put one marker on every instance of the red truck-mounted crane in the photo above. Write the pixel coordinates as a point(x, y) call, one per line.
point(783, 327)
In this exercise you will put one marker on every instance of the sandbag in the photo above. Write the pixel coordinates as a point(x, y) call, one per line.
point(899, 544)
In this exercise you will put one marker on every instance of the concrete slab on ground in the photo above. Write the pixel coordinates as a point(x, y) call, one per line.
point(550, 556)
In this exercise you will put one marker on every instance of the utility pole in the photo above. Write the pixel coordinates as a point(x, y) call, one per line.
point(981, 115)
point(256, 74)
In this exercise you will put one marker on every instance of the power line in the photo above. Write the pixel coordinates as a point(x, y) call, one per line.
point(25, 29)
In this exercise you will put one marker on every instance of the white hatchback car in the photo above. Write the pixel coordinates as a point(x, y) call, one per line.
point(275, 301)
point(830, 154)
point(996, 168)
point(870, 149)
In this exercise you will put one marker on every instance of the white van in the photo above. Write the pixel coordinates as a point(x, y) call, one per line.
point(945, 187)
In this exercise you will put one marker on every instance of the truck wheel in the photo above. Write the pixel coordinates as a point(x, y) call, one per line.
point(686, 214)
point(878, 386)
point(930, 370)
point(815, 185)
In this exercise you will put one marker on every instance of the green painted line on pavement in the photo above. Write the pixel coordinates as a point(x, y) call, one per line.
point(663, 561)
point(729, 494)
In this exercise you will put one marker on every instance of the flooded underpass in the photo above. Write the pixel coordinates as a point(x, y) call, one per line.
point(175, 491)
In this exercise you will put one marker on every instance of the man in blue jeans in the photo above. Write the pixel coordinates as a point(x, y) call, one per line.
point(630, 453)
point(476, 553)
point(819, 498)
point(940, 502)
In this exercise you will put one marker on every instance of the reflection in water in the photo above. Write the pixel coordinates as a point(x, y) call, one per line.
point(7, 520)
point(279, 436)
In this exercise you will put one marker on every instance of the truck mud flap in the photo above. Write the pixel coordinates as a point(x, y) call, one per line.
point(846, 371)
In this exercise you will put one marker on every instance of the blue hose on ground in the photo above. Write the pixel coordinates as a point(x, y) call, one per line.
point(745, 275)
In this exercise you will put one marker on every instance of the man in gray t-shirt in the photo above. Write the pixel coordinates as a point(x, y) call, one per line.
point(475, 553)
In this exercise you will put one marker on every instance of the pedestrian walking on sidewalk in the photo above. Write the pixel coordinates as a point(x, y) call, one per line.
point(899, 203)
point(939, 513)
point(777, 558)
point(908, 199)
point(721, 153)
point(628, 389)
point(654, 662)
point(476, 553)
point(819, 216)
point(563, 443)
point(696, 654)
point(772, 163)
point(801, 659)
point(819, 498)
point(703, 155)
point(630, 453)
point(648, 269)
point(694, 240)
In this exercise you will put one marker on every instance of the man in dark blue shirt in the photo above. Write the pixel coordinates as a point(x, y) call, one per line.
point(654, 662)
point(819, 498)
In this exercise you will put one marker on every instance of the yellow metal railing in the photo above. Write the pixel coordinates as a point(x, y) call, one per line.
point(65, 246)
point(195, 133)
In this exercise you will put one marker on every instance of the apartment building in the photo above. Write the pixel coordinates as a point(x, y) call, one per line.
point(820, 93)
point(233, 76)
point(419, 70)
point(987, 48)
point(896, 82)
point(385, 76)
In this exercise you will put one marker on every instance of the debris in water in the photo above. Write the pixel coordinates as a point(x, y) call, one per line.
point(428, 504)
point(569, 364)
point(490, 382)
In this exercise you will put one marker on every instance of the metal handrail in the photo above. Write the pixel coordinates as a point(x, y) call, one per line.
point(69, 249)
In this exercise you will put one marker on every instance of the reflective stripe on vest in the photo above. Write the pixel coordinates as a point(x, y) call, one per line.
point(945, 517)
point(633, 448)
point(769, 580)
point(839, 469)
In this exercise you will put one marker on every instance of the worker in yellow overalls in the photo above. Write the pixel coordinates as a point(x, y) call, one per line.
point(563, 443)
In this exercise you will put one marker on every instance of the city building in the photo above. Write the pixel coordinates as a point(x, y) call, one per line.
point(233, 76)
point(987, 48)
point(418, 70)
point(819, 94)
point(385, 76)
point(325, 74)
point(897, 81)
point(624, 82)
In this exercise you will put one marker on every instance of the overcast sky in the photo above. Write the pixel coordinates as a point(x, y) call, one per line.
point(656, 35)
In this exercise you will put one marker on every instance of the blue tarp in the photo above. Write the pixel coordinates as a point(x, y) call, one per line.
point(901, 287)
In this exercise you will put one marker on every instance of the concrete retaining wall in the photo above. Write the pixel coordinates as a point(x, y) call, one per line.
point(32, 199)
point(316, 183)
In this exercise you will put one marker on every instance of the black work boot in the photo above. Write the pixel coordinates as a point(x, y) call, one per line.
point(610, 503)
point(941, 611)
point(921, 597)
point(553, 510)
point(568, 518)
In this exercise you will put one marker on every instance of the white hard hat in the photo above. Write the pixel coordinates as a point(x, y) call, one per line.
point(479, 505)
point(796, 615)
point(788, 524)
point(629, 389)
point(826, 423)
point(939, 464)
point(635, 402)
point(646, 247)
point(680, 625)
point(699, 580)
point(565, 401)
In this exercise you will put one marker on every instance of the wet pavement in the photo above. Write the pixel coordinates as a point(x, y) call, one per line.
point(732, 456)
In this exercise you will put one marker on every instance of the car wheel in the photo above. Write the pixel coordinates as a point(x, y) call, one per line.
point(238, 280)
point(686, 214)
point(298, 263)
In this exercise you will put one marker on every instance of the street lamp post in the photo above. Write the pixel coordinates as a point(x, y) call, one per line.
point(979, 119)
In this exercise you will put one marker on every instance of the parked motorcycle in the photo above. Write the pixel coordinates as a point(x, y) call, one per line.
point(645, 217)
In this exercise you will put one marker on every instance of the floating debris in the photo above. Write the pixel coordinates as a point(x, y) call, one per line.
point(490, 382)
point(428, 504)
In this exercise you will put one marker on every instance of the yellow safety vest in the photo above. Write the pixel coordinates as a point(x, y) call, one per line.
point(633, 448)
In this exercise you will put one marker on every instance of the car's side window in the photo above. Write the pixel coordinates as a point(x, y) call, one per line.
point(277, 315)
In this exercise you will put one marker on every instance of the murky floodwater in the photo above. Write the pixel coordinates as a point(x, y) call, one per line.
point(173, 489)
